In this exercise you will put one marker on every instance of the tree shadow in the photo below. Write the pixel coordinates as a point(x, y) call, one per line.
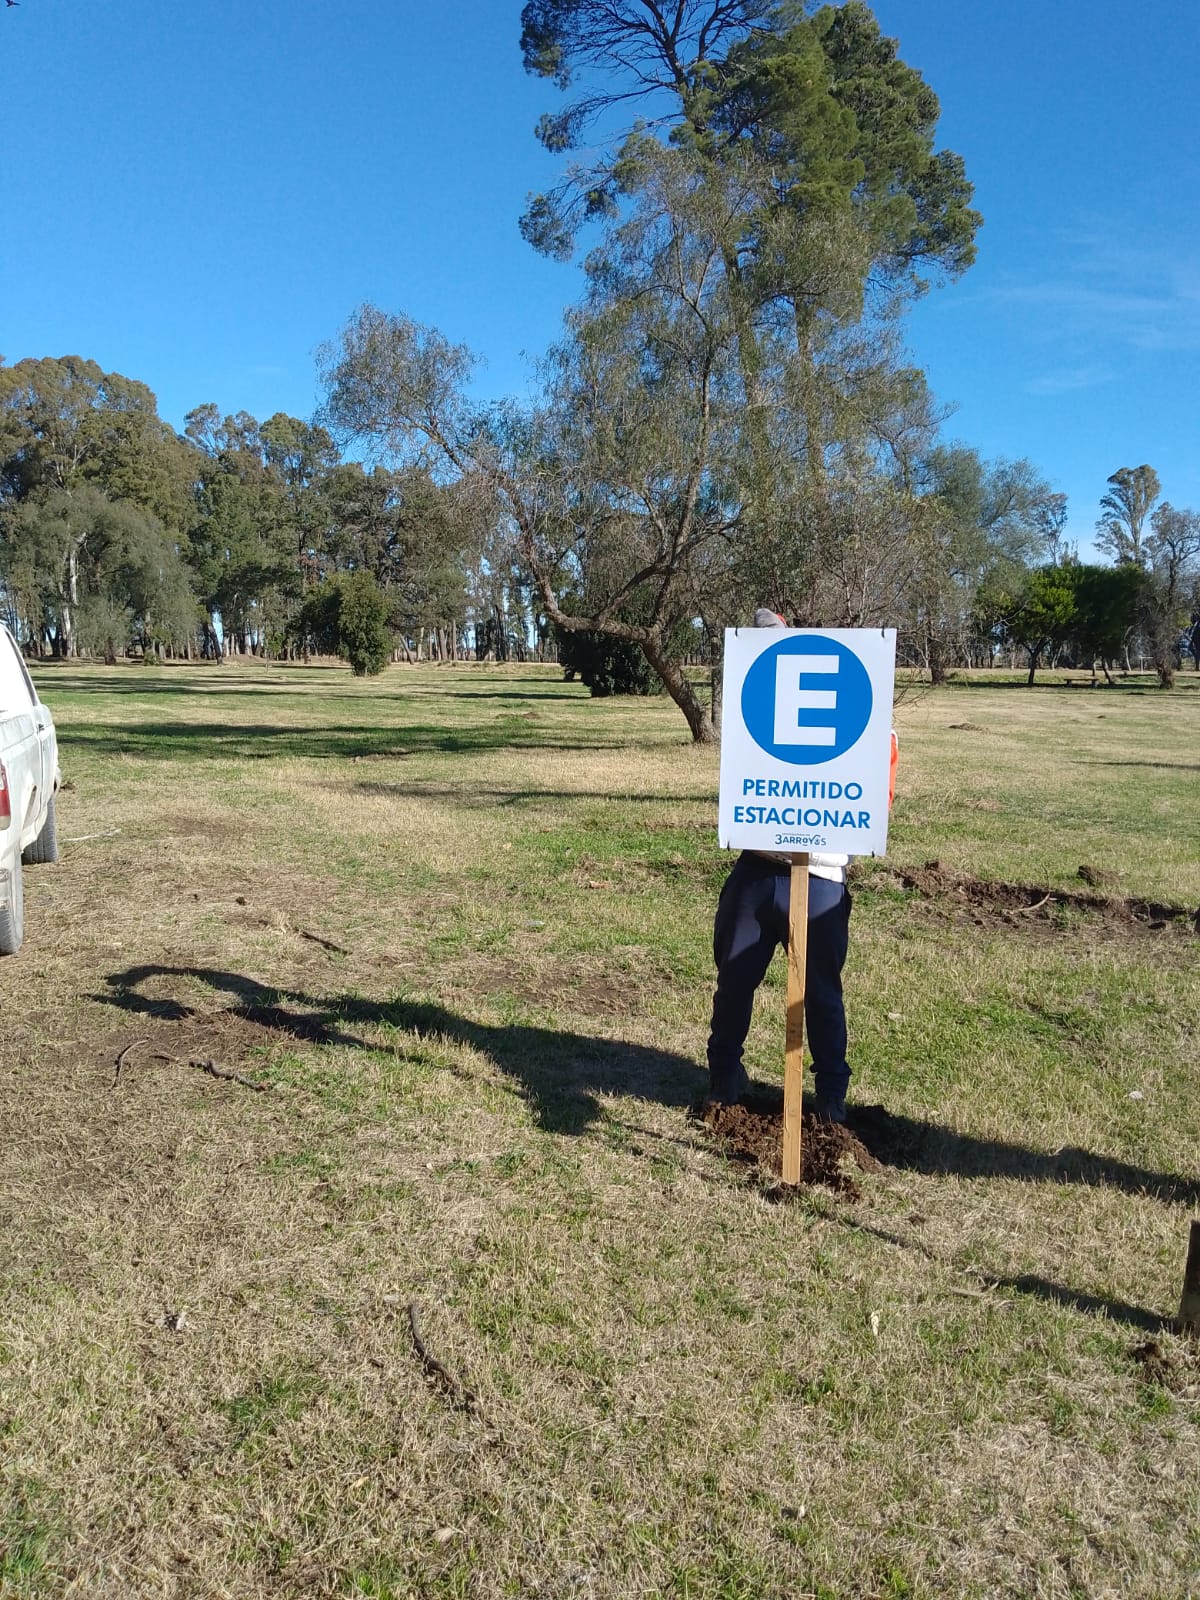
point(1157, 766)
point(1058, 1294)
point(197, 741)
point(200, 679)
point(909, 1145)
point(560, 1074)
point(487, 798)
point(927, 1147)
point(1030, 1283)
point(1146, 683)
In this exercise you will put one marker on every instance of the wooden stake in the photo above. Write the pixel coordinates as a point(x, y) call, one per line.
point(1189, 1306)
point(793, 1054)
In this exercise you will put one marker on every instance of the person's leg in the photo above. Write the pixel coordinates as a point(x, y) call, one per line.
point(824, 1010)
point(745, 934)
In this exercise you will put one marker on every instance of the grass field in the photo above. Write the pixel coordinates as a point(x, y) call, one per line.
point(458, 921)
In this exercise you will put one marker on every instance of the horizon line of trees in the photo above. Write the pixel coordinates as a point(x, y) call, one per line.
point(118, 535)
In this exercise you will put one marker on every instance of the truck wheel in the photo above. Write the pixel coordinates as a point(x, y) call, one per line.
point(12, 916)
point(45, 846)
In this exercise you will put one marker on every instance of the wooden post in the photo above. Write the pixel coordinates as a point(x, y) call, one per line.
point(793, 1057)
point(1189, 1306)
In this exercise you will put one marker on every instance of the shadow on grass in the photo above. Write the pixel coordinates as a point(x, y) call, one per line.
point(1030, 1283)
point(560, 1074)
point(1146, 684)
point(487, 798)
point(1089, 1304)
point(1157, 766)
point(199, 741)
point(327, 683)
point(905, 1144)
point(925, 1147)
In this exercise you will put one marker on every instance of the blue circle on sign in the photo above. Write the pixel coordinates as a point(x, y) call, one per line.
point(807, 700)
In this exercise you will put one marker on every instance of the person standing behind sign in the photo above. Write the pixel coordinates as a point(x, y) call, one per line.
point(751, 920)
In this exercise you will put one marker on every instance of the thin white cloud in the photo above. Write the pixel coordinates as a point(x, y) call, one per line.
point(1068, 380)
point(1139, 296)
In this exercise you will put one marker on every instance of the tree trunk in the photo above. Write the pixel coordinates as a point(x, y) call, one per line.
point(678, 686)
point(936, 658)
point(716, 664)
point(1033, 661)
point(66, 610)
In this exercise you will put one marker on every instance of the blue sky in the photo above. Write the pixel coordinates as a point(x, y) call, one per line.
point(198, 194)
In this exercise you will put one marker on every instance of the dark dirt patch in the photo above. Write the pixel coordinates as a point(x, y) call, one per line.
point(753, 1132)
point(224, 1037)
point(183, 825)
point(1020, 904)
point(1154, 1364)
point(1176, 1371)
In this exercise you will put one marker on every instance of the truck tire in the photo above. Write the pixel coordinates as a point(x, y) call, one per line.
point(45, 846)
point(12, 916)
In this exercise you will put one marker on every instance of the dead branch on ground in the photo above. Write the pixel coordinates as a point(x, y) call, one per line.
point(458, 1393)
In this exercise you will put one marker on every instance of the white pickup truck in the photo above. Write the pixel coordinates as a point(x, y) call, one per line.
point(29, 780)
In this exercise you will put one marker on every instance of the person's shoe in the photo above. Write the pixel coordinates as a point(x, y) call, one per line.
point(727, 1085)
point(830, 1109)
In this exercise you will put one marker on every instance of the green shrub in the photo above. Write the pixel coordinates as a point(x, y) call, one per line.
point(347, 617)
point(606, 666)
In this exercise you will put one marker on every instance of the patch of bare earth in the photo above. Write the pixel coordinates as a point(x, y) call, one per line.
point(753, 1132)
point(985, 901)
point(1176, 1370)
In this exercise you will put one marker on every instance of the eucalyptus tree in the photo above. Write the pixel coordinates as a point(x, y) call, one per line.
point(244, 540)
point(980, 531)
point(65, 422)
point(415, 536)
point(1131, 496)
point(1050, 520)
point(90, 572)
point(299, 456)
point(1173, 552)
point(75, 442)
point(605, 494)
point(830, 203)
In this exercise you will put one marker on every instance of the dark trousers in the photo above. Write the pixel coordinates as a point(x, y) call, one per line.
point(752, 919)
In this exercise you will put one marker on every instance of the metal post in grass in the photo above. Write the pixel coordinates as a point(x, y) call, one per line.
point(1189, 1306)
point(793, 1054)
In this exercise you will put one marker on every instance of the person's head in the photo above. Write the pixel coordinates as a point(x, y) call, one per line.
point(765, 618)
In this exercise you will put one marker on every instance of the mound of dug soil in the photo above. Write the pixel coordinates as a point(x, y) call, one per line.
point(753, 1132)
point(983, 900)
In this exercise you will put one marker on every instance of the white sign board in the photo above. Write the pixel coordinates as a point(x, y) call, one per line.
point(806, 739)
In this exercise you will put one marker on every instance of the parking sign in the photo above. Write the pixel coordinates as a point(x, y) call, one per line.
point(806, 739)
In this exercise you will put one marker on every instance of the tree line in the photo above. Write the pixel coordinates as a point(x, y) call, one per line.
point(118, 534)
point(728, 419)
